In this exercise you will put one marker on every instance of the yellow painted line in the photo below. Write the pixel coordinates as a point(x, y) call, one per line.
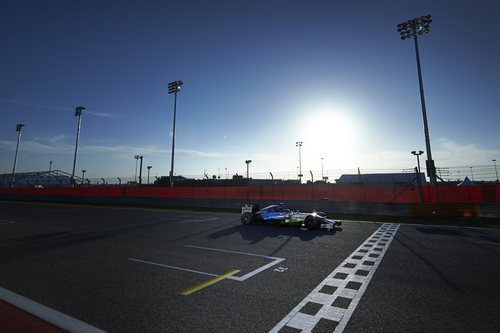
point(209, 282)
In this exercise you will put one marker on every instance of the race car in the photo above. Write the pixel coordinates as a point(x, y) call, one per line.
point(279, 215)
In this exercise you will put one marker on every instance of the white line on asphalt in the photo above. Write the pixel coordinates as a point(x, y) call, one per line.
point(2, 221)
point(202, 220)
point(275, 260)
point(174, 267)
point(347, 283)
point(57, 318)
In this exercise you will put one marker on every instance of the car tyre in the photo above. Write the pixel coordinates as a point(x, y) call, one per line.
point(246, 218)
point(310, 222)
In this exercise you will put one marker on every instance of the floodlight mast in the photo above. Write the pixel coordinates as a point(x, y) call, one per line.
point(18, 129)
point(173, 88)
point(299, 144)
point(248, 163)
point(409, 29)
point(78, 113)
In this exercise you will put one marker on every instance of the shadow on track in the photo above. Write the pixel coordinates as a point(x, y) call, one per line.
point(256, 233)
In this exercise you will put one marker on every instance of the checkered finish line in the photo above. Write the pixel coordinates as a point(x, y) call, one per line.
point(330, 305)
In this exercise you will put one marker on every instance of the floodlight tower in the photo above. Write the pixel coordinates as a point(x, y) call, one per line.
point(78, 113)
point(18, 129)
point(248, 163)
point(173, 88)
point(409, 29)
point(299, 144)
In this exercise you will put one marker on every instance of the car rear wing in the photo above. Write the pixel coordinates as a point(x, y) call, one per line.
point(249, 208)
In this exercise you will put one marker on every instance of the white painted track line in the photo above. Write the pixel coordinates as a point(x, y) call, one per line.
point(275, 260)
point(54, 317)
point(339, 293)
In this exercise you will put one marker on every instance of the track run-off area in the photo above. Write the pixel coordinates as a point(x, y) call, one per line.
point(114, 269)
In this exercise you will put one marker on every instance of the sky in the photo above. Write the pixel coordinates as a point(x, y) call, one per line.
point(258, 77)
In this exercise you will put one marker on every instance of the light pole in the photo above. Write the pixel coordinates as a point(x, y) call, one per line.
point(495, 164)
point(18, 129)
point(149, 168)
point(322, 177)
point(272, 185)
point(50, 167)
point(174, 88)
point(248, 163)
point(83, 175)
point(418, 159)
point(471, 174)
point(78, 113)
point(414, 152)
point(136, 157)
point(299, 144)
point(140, 172)
point(412, 28)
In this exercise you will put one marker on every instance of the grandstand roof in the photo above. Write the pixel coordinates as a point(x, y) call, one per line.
point(378, 179)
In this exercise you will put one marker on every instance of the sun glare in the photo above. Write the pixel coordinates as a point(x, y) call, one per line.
point(329, 133)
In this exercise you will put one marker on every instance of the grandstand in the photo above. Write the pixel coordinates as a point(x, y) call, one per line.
point(39, 179)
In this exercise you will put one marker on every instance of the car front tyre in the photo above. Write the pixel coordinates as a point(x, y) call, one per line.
point(310, 222)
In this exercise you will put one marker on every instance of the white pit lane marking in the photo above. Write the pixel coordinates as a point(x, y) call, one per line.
point(6, 221)
point(367, 262)
point(57, 318)
point(275, 260)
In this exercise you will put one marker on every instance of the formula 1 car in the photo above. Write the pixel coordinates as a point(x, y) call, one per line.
point(279, 215)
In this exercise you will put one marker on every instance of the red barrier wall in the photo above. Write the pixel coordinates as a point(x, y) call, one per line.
point(478, 193)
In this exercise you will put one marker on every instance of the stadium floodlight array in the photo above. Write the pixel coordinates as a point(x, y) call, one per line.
point(174, 87)
point(411, 28)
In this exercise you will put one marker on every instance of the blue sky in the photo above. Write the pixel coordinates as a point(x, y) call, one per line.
point(258, 76)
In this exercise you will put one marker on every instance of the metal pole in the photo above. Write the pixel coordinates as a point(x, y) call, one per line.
point(312, 183)
point(322, 177)
point(418, 163)
point(135, 174)
point(495, 164)
point(300, 164)
point(430, 161)
point(17, 151)
point(149, 168)
point(50, 167)
point(173, 143)
point(471, 174)
point(419, 184)
point(79, 114)
point(272, 185)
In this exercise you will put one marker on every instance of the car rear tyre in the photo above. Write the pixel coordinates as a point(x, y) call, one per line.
point(310, 222)
point(246, 218)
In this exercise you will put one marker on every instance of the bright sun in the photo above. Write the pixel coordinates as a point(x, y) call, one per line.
point(329, 132)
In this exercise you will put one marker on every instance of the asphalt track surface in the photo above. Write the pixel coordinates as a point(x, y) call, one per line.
point(117, 269)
